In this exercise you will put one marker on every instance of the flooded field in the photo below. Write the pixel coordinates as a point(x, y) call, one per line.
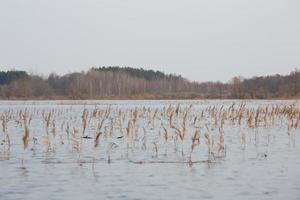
point(150, 149)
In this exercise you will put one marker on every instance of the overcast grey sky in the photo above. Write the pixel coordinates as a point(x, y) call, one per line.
point(202, 40)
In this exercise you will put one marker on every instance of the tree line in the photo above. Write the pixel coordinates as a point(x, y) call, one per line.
point(132, 83)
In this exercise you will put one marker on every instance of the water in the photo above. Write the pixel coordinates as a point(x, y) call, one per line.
point(268, 169)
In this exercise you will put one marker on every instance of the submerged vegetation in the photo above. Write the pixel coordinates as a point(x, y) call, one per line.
point(141, 135)
point(131, 83)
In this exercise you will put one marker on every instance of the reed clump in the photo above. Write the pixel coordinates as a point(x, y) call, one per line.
point(178, 133)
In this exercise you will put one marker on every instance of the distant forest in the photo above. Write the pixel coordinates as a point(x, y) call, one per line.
point(131, 83)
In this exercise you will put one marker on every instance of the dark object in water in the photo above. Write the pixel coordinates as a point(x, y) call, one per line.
point(120, 137)
point(87, 137)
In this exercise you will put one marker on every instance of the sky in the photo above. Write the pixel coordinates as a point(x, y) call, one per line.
point(202, 40)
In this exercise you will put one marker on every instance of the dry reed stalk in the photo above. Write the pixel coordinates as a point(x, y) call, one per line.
point(4, 124)
point(99, 127)
point(266, 117)
point(257, 118)
point(155, 115)
point(130, 128)
point(144, 140)
point(240, 116)
point(8, 140)
point(75, 142)
point(29, 120)
point(177, 110)
point(165, 134)
point(221, 142)
point(84, 121)
point(223, 120)
point(169, 110)
point(98, 134)
point(53, 128)
point(5, 154)
point(189, 161)
point(208, 143)
point(68, 129)
point(26, 132)
point(195, 120)
point(195, 140)
point(47, 119)
point(178, 132)
point(135, 115)
point(250, 121)
point(183, 132)
point(95, 111)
